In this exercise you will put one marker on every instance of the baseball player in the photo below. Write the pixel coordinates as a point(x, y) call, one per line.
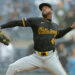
point(44, 34)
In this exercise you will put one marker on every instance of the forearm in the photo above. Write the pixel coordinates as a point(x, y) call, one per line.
point(12, 24)
point(61, 33)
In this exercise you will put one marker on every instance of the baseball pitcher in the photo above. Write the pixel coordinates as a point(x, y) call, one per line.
point(45, 31)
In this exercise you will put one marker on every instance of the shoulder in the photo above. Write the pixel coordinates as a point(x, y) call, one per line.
point(34, 18)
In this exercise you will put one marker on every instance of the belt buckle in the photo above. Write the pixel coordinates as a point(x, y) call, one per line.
point(43, 53)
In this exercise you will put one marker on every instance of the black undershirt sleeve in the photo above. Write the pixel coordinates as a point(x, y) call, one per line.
point(12, 24)
point(61, 33)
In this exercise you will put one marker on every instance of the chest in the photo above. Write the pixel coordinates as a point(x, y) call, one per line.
point(45, 27)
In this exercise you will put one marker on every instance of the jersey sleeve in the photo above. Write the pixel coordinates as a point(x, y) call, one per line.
point(22, 23)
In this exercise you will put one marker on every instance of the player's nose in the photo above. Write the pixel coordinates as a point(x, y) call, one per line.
point(43, 9)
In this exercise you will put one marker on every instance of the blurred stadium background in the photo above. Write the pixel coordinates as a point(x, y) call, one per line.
point(22, 38)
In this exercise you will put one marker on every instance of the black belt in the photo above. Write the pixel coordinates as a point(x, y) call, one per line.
point(43, 53)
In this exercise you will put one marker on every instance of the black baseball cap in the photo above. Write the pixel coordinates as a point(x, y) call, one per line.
point(44, 4)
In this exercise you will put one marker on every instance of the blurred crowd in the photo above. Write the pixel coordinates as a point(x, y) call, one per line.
point(64, 16)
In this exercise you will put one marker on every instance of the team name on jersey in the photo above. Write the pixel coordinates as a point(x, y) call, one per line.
point(42, 30)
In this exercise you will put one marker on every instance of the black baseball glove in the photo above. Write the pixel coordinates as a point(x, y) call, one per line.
point(3, 38)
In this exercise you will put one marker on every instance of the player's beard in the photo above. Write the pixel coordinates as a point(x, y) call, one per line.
point(46, 14)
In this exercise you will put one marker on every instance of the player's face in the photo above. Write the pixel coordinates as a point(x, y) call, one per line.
point(46, 11)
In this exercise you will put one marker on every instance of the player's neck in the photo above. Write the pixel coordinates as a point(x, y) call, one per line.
point(49, 17)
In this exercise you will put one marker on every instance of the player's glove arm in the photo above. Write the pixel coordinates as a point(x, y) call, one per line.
point(21, 23)
point(3, 38)
point(61, 33)
point(12, 24)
